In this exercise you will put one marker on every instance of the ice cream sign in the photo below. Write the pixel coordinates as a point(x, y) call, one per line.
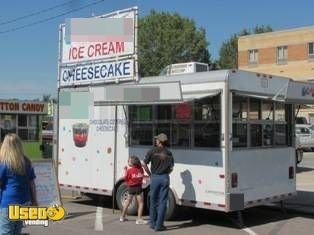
point(23, 107)
point(308, 91)
point(98, 49)
point(87, 39)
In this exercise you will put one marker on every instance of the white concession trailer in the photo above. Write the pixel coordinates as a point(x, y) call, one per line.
point(231, 132)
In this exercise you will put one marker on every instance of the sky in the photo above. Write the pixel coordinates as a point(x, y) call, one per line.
point(28, 57)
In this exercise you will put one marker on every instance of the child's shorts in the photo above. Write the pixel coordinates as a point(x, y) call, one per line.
point(135, 190)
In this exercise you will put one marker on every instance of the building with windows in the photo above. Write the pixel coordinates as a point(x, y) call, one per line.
point(24, 119)
point(287, 53)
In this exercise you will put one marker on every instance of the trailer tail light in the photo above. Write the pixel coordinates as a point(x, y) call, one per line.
point(291, 172)
point(234, 180)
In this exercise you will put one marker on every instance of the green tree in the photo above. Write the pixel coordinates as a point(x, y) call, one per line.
point(46, 97)
point(228, 53)
point(165, 38)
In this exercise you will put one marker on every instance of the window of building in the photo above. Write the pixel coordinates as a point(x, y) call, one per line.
point(253, 56)
point(311, 49)
point(187, 125)
point(23, 134)
point(32, 121)
point(22, 120)
point(26, 126)
point(7, 124)
point(282, 54)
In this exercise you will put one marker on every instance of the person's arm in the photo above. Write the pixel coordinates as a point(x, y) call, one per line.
point(147, 160)
point(32, 185)
point(144, 165)
point(172, 162)
point(33, 193)
point(2, 176)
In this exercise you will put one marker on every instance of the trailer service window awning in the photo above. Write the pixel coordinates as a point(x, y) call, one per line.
point(189, 96)
point(254, 95)
point(146, 93)
point(300, 93)
point(293, 92)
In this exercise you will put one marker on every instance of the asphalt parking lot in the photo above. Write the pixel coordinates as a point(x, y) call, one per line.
point(86, 216)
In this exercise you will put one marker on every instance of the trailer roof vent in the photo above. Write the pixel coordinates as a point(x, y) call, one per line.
point(183, 68)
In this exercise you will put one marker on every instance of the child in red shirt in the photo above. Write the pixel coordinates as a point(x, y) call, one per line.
point(133, 178)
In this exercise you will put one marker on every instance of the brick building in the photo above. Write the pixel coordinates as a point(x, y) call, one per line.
point(288, 53)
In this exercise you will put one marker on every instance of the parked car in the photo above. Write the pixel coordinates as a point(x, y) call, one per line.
point(301, 120)
point(305, 136)
point(298, 150)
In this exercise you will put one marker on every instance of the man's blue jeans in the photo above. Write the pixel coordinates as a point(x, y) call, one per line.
point(159, 189)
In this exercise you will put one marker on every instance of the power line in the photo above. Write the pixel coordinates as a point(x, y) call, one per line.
point(35, 13)
point(49, 18)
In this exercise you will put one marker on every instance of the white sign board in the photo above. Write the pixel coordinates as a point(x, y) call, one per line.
point(96, 73)
point(89, 39)
point(300, 92)
point(13, 106)
point(47, 188)
point(99, 49)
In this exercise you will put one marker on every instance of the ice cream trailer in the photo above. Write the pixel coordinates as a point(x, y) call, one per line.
point(231, 132)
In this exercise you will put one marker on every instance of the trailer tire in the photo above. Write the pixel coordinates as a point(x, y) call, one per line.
point(121, 196)
point(172, 207)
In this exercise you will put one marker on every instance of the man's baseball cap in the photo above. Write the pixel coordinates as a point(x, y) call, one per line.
point(161, 137)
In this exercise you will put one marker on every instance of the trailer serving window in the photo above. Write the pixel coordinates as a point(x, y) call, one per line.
point(260, 123)
point(187, 125)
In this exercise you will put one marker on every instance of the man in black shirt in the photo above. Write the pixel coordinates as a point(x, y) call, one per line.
point(161, 165)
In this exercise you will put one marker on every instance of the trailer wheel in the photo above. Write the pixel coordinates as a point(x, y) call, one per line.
point(121, 197)
point(172, 207)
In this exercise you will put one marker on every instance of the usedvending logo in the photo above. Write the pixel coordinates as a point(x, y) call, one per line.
point(307, 90)
point(38, 216)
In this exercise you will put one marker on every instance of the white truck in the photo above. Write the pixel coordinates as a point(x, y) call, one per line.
point(232, 135)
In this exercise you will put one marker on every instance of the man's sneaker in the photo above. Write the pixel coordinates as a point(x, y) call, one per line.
point(162, 228)
point(122, 219)
point(141, 221)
